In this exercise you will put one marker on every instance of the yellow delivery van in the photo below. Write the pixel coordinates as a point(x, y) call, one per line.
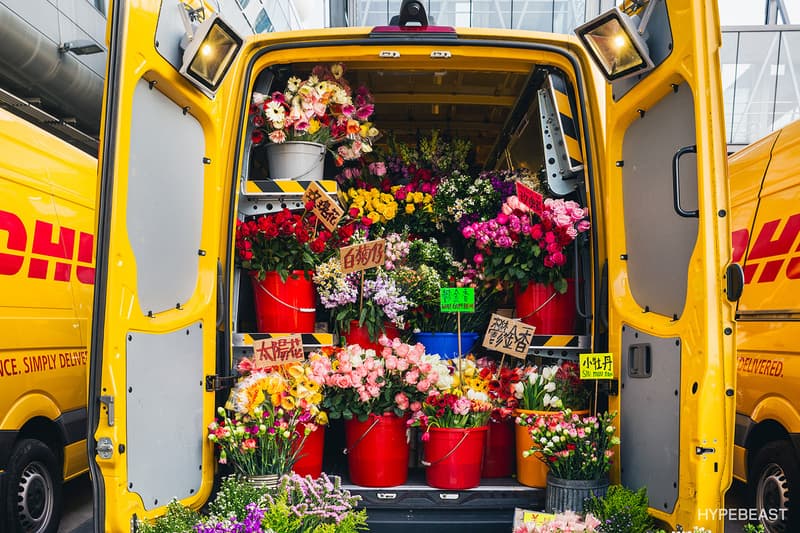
point(47, 198)
point(765, 187)
point(626, 118)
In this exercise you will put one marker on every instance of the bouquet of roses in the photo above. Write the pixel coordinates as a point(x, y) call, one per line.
point(286, 241)
point(519, 246)
point(363, 382)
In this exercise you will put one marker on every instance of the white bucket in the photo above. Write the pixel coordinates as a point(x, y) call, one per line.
point(296, 160)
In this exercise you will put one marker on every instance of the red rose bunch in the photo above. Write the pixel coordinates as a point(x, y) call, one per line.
point(286, 241)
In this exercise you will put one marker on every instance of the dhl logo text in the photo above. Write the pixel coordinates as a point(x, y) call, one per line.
point(770, 251)
point(64, 246)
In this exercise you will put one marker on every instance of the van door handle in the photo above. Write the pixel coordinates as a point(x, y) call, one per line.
point(676, 182)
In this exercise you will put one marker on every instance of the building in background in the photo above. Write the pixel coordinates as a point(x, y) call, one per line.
point(760, 48)
point(52, 61)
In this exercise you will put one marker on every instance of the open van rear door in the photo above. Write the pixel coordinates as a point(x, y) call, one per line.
point(665, 203)
point(163, 159)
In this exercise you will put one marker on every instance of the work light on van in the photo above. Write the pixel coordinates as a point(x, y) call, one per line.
point(210, 53)
point(616, 44)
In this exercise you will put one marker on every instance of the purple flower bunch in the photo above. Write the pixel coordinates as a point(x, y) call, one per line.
point(385, 293)
point(251, 523)
point(315, 502)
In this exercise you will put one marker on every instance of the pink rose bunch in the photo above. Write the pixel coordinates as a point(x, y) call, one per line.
point(362, 382)
point(520, 245)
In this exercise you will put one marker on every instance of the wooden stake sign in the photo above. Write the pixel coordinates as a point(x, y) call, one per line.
point(363, 256)
point(529, 197)
point(277, 351)
point(326, 208)
point(508, 336)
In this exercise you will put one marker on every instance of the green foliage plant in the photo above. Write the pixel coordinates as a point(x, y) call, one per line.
point(177, 519)
point(621, 510)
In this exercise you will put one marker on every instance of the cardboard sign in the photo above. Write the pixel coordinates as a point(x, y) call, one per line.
point(363, 256)
point(523, 516)
point(597, 366)
point(326, 208)
point(529, 197)
point(277, 351)
point(508, 336)
point(457, 300)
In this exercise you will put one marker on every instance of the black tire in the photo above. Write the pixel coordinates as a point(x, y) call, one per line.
point(773, 481)
point(33, 489)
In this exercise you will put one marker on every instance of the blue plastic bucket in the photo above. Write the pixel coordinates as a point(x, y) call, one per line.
point(446, 344)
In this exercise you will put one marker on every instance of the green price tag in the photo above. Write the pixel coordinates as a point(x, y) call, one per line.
point(457, 300)
point(597, 366)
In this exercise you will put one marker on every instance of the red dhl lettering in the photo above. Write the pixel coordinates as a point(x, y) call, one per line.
point(769, 251)
point(48, 246)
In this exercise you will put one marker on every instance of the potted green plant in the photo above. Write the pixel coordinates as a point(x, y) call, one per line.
point(578, 451)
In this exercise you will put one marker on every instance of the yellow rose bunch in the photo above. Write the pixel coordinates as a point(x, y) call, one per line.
point(378, 206)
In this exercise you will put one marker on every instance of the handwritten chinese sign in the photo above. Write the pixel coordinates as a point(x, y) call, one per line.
point(508, 336)
point(363, 256)
point(530, 197)
point(597, 366)
point(326, 208)
point(277, 351)
point(457, 300)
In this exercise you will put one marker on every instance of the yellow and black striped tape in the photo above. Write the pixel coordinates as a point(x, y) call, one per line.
point(286, 186)
point(567, 114)
point(559, 341)
point(310, 340)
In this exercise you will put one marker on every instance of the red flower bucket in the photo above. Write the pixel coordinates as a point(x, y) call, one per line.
point(360, 335)
point(309, 456)
point(377, 450)
point(547, 309)
point(453, 457)
point(285, 307)
point(498, 458)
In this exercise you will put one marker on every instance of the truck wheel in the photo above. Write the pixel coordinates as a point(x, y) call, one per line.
point(33, 499)
point(774, 478)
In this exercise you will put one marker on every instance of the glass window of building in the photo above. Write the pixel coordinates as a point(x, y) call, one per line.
point(263, 22)
point(243, 3)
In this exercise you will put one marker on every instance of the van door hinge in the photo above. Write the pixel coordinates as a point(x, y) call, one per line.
point(217, 383)
point(108, 401)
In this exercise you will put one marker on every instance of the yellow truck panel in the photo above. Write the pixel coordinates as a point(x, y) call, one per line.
point(765, 186)
point(47, 198)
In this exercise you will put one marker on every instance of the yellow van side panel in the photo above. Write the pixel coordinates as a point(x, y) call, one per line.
point(765, 187)
point(47, 190)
